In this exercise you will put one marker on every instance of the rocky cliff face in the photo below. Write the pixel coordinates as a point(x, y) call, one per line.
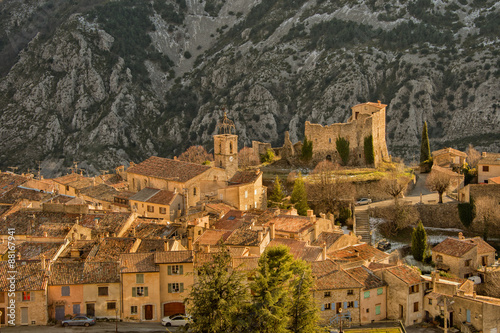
point(122, 81)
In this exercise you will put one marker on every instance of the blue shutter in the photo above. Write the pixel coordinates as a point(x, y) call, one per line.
point(345, 305)
point(468, 315)
point(322, 307)
point(355, 304)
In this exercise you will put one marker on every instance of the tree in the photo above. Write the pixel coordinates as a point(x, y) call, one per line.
point(425, 148)
point(398, 217)
point(282, 300)
point(343, 149)
point(195, 154)
point(247, 158)
point(419, 242)
point(395, 184)
point(299, 196)
point(438, 182)
point(276, 197)
point(473, 156)
point(307, 150)
point(217, 295)
point(369, 150)
point(268, 157)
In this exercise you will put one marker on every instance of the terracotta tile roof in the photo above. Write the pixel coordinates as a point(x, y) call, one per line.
point(138, 262)
point(482, 246)
point(75, 180)
point(173, 257)
point(367, 278)
point(19, 193)
point(82, 246)
point(212, 237)
point(35, 250)
point(168, 169)
point(327, 237)
point(29, 277)
point(151, 245)
point(203, 258)
point(144, 194)
point(101, 192)
point(148, 228)
point(231, 221)
point(163, 197)
point(221, 208)
point(494, 180)
point(448, 150)
point(299, 249)
point(238, 251)
point(323, 267)
point(9, 181)
point(453, 247)
point(110, 249)
point(36, 224)
point(290, 223)
point(358, 252)
point(406, 274)
point(329, 276)
point(68, 273)
point(245, 263)
point(490, 159)
point(312, 253)
point(60, 198)
point(375, 266)
point(244, 237)
point(244, 177)
point(101, 272)
point(64, 273)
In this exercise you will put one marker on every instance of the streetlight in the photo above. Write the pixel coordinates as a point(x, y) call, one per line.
point(340, 315)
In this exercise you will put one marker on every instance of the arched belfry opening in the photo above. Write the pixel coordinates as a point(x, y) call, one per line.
point(226, 146)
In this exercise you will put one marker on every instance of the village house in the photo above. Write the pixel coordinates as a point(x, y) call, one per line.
point(448, 158)
point(65, 290)
point(405, 293)
point(477, 191)
point(245, 191)
point(335, 240)
point(140, 287)
point(488, 167)
point(160, 204)
point(30, 294)
point(358, 255)
point(71, 184)
point(300, 249)
point(100, 197)
point(473, 313)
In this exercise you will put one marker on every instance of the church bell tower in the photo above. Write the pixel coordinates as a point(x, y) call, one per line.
point(226, 147)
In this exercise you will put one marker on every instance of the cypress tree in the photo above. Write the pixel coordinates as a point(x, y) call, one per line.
point(419, 242)
point(343, 148)
point(425, 148)
point(299, 196)
point(276, 198)
point(369, 150)
point(307, 150)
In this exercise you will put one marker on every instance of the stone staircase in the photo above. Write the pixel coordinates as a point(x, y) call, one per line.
point(362, 226)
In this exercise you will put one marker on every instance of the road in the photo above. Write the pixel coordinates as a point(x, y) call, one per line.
point(100, 327)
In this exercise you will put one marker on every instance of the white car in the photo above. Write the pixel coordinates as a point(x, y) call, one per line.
point(363, 201)
point(176, 320)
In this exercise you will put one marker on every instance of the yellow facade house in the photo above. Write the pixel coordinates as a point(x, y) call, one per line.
point(245, 191)
point(160, 204)
point(140, 287)
point(488, 167)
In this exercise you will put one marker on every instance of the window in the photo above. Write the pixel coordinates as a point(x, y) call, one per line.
point(380, 291)
point(133, 309)
point(163, 210)
point(328, 306)
point(111, 305)
point(484, 260)
point(139, 278)
point(102, 291)
point(414, 289)
point(246, 194)
point(26, 296)
point(350, 292)
point(327, 294)
point(329, 140)
point(439, 258)
point(415, 307)
point(139, 291)
point(194, 191)
point(368, 310)
point(367, 294)
point(377, 309)
point(151, 209)
point(348, 305)
point(175, 287)
point(175, 269)
point(468, 262)
point(179, 206)
point(67, 187)
point(486, 168)
point(430, 301)
point(65, 291)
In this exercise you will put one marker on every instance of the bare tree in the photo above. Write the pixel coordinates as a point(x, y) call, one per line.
point(326, 190)
point(247, 158)
point(196, 154)
point(487, 215)
point(395, 184)
point(473, 156)
point(397, 217)
point(438, 182)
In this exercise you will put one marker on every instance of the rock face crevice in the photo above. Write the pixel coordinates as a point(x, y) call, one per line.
point(71, 96)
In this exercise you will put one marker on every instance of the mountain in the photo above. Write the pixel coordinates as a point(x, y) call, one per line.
point(108, 82)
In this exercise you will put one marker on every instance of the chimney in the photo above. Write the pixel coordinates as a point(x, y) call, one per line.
point(322, 215)
point(474, 295)
point(310, 213)
point(167, 246)
point(461, 236)
point(208, 248)
point(379, 103)
point(273, 231)
point(483, 154)
point(190, 243)
point(324, 250)
point(316, 231)
point(42, 262)
point(131, 164)
point(175, 158)
point(45, 234)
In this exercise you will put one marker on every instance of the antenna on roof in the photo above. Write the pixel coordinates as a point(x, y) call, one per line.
point(13, 168)
point(104, 172)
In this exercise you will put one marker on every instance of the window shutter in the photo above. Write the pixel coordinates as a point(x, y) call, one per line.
point(181, 287)
point(345, 305)
point(32, 296)
point(322, 307)
point(169, 270)
point(332, 306)
point(181, 269)
point(145, 291)
point(355, 304)
point(134, 292)
point(169, 287)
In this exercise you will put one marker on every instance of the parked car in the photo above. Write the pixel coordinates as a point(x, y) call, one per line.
point(176, 320)
point(383, 245)
point(363, 201)
point(78, 320)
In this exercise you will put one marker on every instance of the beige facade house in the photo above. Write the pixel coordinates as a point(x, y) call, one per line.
point(245, 191)
point(176, 279)
point(488, 167)
point(367, 120)
point(71, 184)
point(448, 158)
point(29, 300)
point(305, 228)
point(479, 190)
point(140, 287)
point(358, 255)
point(335, 240)
point(160, 204)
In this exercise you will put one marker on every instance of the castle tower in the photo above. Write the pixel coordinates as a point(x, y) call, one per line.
point(226, 147)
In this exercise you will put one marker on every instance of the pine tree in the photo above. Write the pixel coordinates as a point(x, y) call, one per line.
point(299, 196)
point(276, 197)
point(217, 295)
point(425, 148)
point(419, 242)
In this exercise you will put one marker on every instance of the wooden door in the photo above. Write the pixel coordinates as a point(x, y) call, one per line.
point(24, 316)
point(2, 317)
point(148, 312)
point(60, 312)
point(90, 310)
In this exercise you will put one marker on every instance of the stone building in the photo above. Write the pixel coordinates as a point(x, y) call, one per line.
point(368, 119)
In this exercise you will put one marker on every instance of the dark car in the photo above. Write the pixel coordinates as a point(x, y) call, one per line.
point(79, 320)
point(383, 245)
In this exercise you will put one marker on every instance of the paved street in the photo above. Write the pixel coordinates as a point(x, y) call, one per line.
point(100, 327)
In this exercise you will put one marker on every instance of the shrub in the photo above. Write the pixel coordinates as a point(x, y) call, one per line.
point(343, 149)
point(268, 157)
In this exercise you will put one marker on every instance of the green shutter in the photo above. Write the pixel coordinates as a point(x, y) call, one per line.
point(367, 294)
point(181, 270)
point(380, 291)
point(377, 309)
point(145, 291)
point(169, 270)
point(169, 287)
point(134, 292)
point(181, 287)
